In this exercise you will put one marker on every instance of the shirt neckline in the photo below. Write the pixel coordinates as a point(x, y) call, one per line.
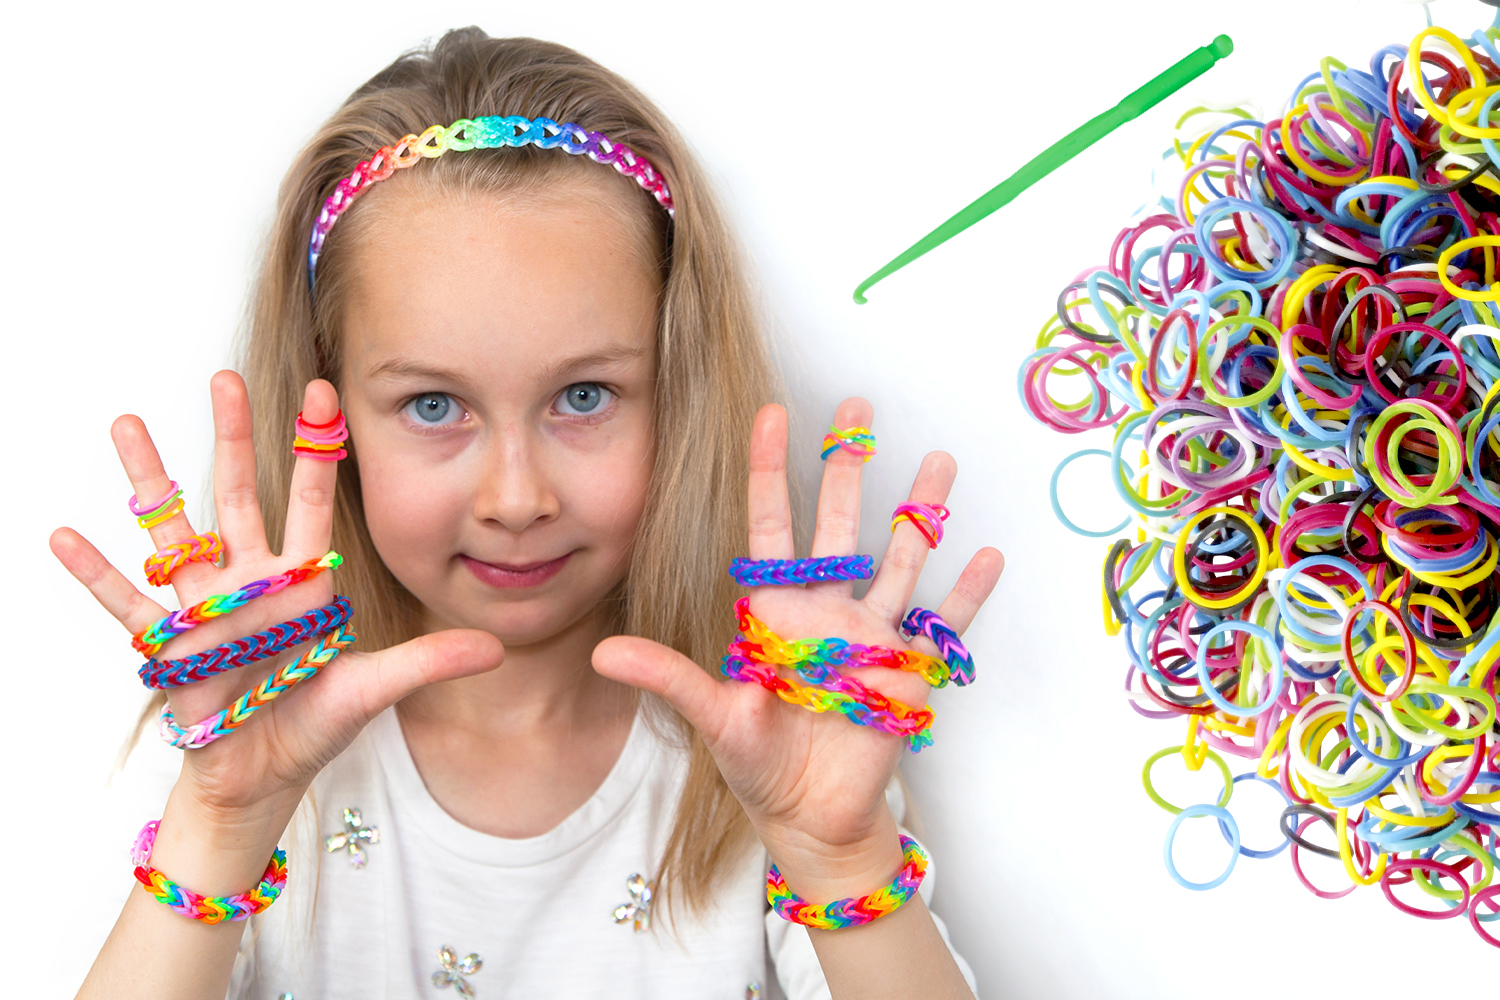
point(410, 795)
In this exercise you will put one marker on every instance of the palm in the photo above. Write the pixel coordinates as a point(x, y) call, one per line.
point(292, 737)
point(793, 769)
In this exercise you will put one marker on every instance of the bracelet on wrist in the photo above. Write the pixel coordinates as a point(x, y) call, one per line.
point(209, 909)
point(856, 910)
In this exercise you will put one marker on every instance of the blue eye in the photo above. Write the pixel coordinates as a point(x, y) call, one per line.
point(434, 409)
point(583, 397)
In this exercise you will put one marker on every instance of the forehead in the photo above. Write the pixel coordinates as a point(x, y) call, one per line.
point(499, 285)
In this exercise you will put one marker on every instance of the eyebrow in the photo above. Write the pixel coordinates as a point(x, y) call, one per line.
point(407, 368)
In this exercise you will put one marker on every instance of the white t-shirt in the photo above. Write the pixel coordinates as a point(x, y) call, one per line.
point(538, 912)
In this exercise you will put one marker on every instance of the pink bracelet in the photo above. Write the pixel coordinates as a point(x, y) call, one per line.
point(209, 909)
point(927, 518)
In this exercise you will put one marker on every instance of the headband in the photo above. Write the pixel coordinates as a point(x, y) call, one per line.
point(490, 132)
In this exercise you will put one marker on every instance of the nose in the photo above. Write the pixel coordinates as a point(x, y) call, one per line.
point(515, 491)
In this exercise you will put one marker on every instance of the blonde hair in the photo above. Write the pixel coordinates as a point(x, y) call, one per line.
point(713, 367)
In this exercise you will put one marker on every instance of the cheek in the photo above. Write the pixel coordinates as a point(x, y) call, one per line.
point(411, 509)
point(607, 476)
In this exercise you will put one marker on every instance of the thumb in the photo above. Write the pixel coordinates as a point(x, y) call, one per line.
point(653, 667)
point(391, 674)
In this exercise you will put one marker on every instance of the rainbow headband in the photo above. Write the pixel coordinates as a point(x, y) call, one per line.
point(490, 132)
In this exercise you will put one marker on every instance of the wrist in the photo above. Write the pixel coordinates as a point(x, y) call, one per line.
point(212, 850)
point(821, 872)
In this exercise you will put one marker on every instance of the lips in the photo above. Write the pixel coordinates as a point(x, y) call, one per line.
point(517, 576)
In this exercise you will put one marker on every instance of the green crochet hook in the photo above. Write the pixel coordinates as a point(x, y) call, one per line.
point(1135, 104)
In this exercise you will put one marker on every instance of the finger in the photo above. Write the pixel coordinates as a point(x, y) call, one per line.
point(148, 478)
point(384, 678)
point(837, 530)
point(907, 554)
point(974, 586)
point(309, 512)
point(653, 667)
point(770, 509)
point(240, 522)
point(118, 595)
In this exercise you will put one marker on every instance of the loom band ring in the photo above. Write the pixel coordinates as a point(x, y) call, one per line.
point(1376, 343)
point(1256, 632)
point(1133, 697)
point(161, 675)
point(1414, 864)
point(1226, 822)
point(1208, 754)
point(1179, 571)
point(1459, 786)
point(1057, 506)
point(1280, 233)
point(1382, 458)
point(1096, 301)
point(1407, 756)
point(1112, 602)
point(1465, 638)
point(1446, 257)
point(1337, 605)
point(1149, 375)
point(1463, 582)
point(168, 559)
point(144, 510)
point(1436, 565)
point(1450, 693)
point(1207, 372)
point(165, 514)
point(1294, 834)
point(1408, 646)
point(1418, 85)
point(1285, 840)
point(1294, 367)
point(857, 441)
point(1297, 863)
point(1429, 162)
point(1033, 390)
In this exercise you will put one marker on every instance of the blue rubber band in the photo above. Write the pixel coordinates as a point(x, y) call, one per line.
point(1233, 836)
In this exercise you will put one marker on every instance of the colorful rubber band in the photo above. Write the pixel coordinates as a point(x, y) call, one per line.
point(150, 640)
point(168, 559)
point(950, 647)
point(321, 441)
point(855, 440)
point(251, 649)
point(926, 518)
point(854, 911)
point(223, 723)
point(785, 572)
point(209, 909)
point(150, 515)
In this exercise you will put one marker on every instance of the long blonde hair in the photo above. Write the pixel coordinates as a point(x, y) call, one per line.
point(714, 371)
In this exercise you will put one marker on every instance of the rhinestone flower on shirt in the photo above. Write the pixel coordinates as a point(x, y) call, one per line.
point(752, 991)
point(639, 907)
point(454, 970)
point(353, 834)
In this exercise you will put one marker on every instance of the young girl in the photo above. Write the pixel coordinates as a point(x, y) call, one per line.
point(548, 371)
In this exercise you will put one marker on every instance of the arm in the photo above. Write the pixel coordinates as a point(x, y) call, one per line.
point(235, 796)
point(813, 785)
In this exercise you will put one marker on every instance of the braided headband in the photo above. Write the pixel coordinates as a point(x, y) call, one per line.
point(251, 649)
point(225, 722)
point(856, 910)
point(781, 572)
point(489, 132)
point(209, 909)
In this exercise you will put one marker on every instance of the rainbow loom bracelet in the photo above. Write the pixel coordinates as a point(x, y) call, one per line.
point(150, 515)
point(952, 649)
point(178, 622)
point(928, 518)
point(209, 909)
point(781, 572)
point(855, 440)
point(168, 559)
point(489, 132)
point(243, 652)
point(321, 441)
point(225, 722)
point(756, 642)
point(854, 911)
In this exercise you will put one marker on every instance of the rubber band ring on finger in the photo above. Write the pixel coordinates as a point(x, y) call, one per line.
point(1057, 506)
point(855, 440)
point(321, 441)
point(1225, 820)
point(926, 518)
point(168, 559)
point(945, 638)
point(150, 515)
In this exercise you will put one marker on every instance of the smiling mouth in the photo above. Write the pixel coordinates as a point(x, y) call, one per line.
point(516, 576)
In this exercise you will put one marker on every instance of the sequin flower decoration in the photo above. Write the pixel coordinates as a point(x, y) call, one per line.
point(454, 970)
point(639, 907)
point(350, 839)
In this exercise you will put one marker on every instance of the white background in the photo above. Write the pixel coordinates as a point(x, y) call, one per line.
point(145, 147)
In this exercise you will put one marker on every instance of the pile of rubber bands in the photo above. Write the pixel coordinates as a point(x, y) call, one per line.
point(1297, 359)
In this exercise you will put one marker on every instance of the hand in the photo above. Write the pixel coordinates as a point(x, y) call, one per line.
point(813, 785)
point(270, 760)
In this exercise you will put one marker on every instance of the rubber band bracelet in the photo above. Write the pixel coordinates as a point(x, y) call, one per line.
point(855, 440)
point(927, 518)
point(150, 515)
point(209, 909)
point(157, 635)
point(782, 572)
point(321, 441)
point(950, 647)
point(161, 675)
point(854, 911)
point(225, 722)
point(168, 559)
point(756, 642)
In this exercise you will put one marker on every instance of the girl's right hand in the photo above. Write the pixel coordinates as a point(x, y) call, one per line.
point(253, 778)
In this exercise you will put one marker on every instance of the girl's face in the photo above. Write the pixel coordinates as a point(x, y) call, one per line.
point(499, 366)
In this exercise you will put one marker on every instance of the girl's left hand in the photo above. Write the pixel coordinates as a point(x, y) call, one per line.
point(813, 785)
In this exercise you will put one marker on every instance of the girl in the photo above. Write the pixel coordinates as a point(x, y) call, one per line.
point(548, 372)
